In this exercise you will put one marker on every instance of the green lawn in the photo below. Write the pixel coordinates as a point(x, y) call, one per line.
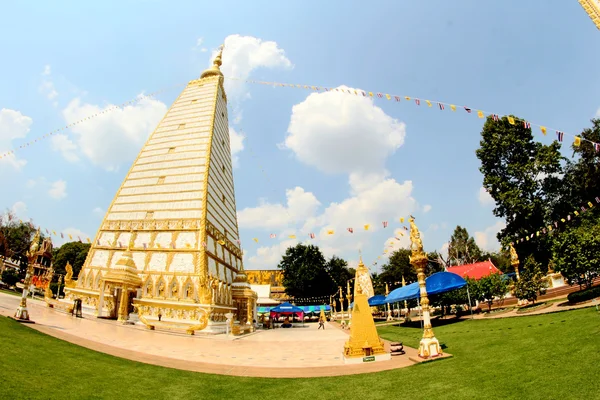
point(546, 356)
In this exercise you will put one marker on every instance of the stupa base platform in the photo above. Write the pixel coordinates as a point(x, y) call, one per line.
point(366, 359)
point(429, 348)
point(24, 321)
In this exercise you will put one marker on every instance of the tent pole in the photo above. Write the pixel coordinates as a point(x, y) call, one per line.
point(469, 297)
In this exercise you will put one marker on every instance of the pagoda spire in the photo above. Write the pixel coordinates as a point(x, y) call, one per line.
point(215, 69)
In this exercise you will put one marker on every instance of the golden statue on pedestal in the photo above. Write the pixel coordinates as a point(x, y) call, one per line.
point(429, 345)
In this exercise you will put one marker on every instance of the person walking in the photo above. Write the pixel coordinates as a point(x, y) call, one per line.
point(321, 324)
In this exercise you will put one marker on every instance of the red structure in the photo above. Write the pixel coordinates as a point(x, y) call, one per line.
point(475, 271)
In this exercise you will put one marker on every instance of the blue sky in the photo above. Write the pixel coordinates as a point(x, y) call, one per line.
point(534, 59)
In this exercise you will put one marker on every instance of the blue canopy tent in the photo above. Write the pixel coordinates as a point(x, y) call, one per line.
point(437, 283)
point(287, 309)
point(306, 309)
point(377, 300)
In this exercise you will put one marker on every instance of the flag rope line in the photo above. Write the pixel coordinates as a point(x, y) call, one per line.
point(440, 104)
point(91, 116)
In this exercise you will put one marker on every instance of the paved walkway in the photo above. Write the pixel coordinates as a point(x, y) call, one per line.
point(297, 352)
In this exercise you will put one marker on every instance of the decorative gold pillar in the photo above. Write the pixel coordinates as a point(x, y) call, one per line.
point(22, 314)
point(123, 306)
point(341, 302)
point(387, 305)
point(514, 260)
point(429, 346)
point(349, 299)
point(405, 302)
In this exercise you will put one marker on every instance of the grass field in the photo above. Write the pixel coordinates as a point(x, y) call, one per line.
point(551, 356)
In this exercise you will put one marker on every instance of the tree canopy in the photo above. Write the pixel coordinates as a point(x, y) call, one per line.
point(462, 248)
point(305, 272)
point(72, 252)
point(522, 176)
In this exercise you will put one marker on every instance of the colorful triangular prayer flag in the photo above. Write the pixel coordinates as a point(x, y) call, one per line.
point(560, 135)
point(543, 129)
point(577, 141)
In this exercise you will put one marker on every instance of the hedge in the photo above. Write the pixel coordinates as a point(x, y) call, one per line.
point(584, 295)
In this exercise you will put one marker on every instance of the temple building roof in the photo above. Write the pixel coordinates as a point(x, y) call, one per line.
point(475, 271)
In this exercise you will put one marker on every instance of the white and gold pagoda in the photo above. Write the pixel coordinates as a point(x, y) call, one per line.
point(173, 220)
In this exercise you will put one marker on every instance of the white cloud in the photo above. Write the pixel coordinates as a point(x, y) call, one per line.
point(300, 205)
point(426, 208)
point(98, 210)
point(384, 200)
point(199, 43)
point(241, 56)
point(58, 189)
point(47, 86)
point(13, 125)
point(485, 198)
point(65, 146)
point(343, 133)
point(329, 132)
point(487, 239)
point(19, 209)
point(114, 138)
point(236, 144)
point(268, 257)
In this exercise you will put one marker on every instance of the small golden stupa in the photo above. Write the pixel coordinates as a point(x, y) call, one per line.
point(364, 344)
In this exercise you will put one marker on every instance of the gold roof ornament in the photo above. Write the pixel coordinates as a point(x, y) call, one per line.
point(363, 283)
point(125, 271)
point(215, 70)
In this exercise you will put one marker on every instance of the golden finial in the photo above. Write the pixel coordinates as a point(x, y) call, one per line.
point(215, 69)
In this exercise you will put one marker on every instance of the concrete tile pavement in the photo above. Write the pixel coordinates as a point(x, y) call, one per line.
point(297, 352)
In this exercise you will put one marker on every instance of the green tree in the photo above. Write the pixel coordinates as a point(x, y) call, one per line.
point(581, 181)
point(17, 236)
point(576, 252)
point(304, 273)
point(73, 252)
point(522, 176)
point(10, 277)
point(531, 282)
point(501, 259)
point(462, 248)
point(434, 263)
point(492, 286)
point(397, 266)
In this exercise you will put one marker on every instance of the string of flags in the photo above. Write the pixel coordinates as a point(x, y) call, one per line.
point(442, 106)
point(105, 111)
point(555, 225)
point(330, 232)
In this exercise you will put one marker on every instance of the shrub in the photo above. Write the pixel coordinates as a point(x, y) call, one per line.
point(584, 295)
